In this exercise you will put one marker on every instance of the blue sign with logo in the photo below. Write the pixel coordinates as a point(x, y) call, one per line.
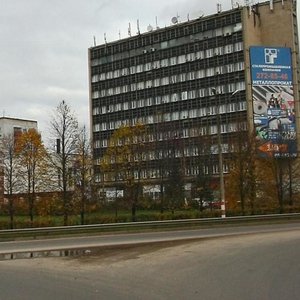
point(271, 66)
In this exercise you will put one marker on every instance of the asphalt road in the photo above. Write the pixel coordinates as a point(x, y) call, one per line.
point(86, 242)
point(258, 265)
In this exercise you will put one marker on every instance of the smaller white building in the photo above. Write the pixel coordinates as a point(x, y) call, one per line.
point(15, 126)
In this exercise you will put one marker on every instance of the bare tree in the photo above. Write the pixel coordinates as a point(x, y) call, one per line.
point(10, 172)
point(83, 172)
point(64, 129)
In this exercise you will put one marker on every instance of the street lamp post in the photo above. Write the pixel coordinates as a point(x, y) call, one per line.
point(221, 174)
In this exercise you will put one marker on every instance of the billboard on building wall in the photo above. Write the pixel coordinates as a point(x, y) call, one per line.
point(273, 100)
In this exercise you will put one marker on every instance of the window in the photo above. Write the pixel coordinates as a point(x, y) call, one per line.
point(200, 54)
point(103, 126)
point(202, 93)
point(102, 76)
point(190, 57)
point(219, 70)
point(193, 113)
point(125, 106)
point(124, 72)
point(165, 80)
point(96, 127)
point(158, 100)
point(242, 106)
point(118, 107)
point(140, 103)
point(218, 50)
point(228, 49)
point(211, 110)
point(95, 78)
point(222, 109)
point(210, 72)
point(173, 60)
point(109, 75)
point(190, 76)
point(148, 83)
point(156, 64)
point(97, 144)
point(156, 82)
point(213, 129)
point(184, 114)
point(140, 85)
point(139, 68)
point(181, 59)
point(149, 101)
point(182, 77)
point(117, 90)
point(164, 62)
point(174, 97)
point(200, 73)
point(238, 46)
point(103, 109)
point(240, 85)
point(133, 86)
point(167, 117)
point(150, 120)
point(184, 95)
point(133, 104)
point(95, 94)
point(95, 111)
point(148, 66)
point(173, 79)
point(124, 88)
point(165, 99)
point(230, 68)
point(202, 111)
point(175, 116)
point(116, 73)
point(239, 66)
point(191, 94)
point(231, 107)
point(209, 53)
point(111, 108)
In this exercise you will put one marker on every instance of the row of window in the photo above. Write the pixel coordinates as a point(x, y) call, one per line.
point(156, 173)
point(171, 116)
point(172, 35)
point(174, 97)
point(209, 72)
point(183, 133)
point(172, 61)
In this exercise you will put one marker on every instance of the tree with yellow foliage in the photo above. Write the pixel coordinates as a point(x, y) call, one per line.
point(122, 162)
point(32, 157)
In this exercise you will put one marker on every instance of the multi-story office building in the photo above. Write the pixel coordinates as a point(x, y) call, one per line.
point(214, 76)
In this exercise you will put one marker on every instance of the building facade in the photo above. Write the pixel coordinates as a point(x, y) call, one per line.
point(204, 79)
point(12, 127)
point(15, 126)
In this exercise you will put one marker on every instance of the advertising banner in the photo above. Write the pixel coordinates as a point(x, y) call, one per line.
point(273, 100)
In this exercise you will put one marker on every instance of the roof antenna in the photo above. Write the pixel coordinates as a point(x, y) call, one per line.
point(138, 26)
point(94, 41)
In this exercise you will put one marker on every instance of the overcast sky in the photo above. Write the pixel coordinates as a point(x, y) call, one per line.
point(44, 46)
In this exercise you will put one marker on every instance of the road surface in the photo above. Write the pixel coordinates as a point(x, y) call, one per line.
point(258, 265)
